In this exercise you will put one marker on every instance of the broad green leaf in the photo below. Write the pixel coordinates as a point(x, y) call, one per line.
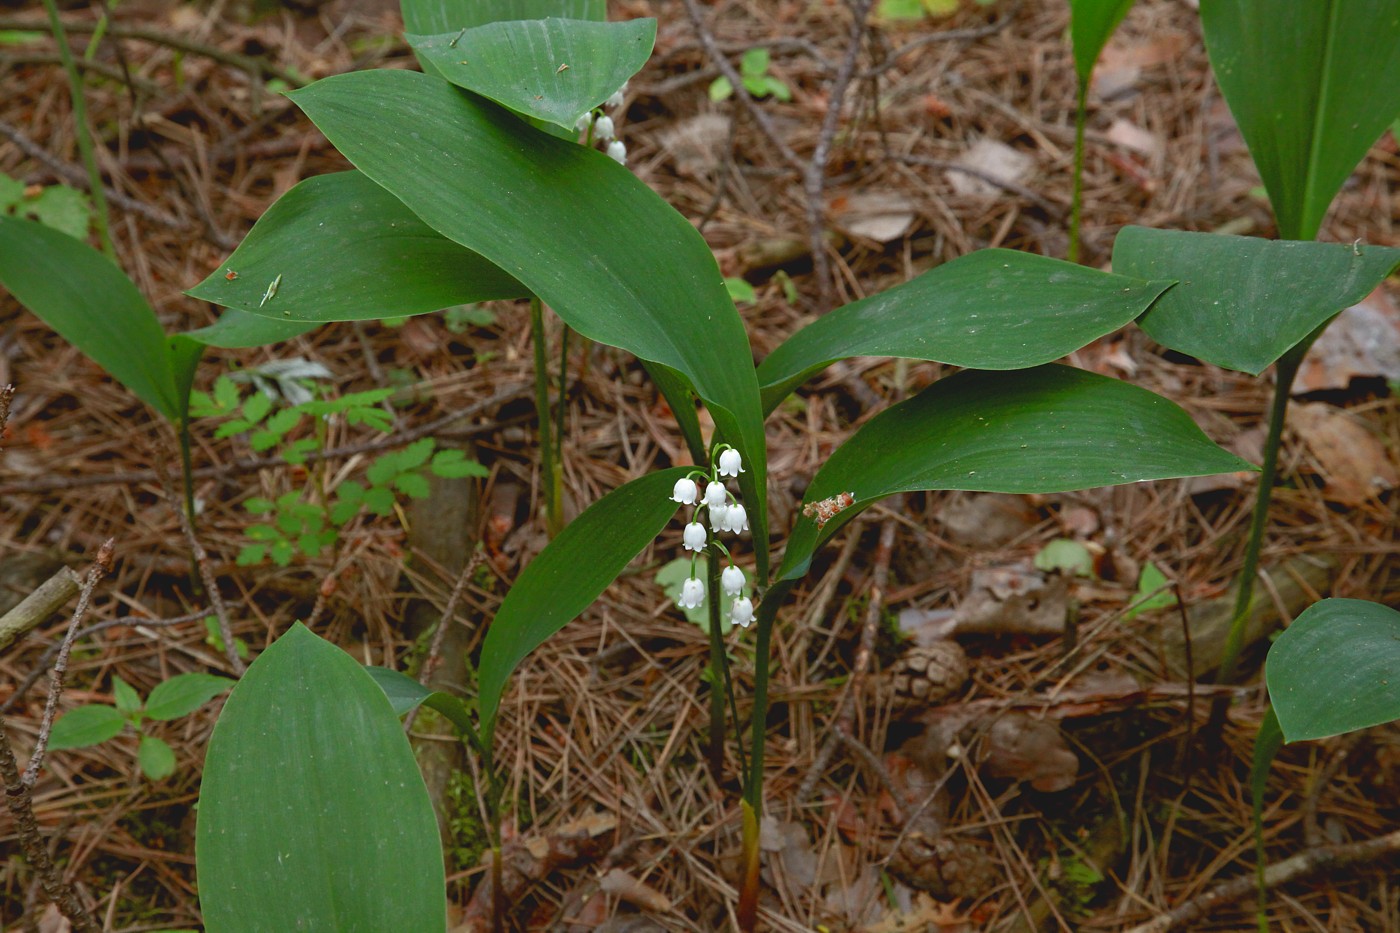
point(183, 694)
point(125, 695)
point(1336, 669)
point(405, 694)
point(568, 575)
point(992, 309)
point(613, 259)
point(86, 725)
point(312, 813)
point(426, 17)
point(236, 329)
point(1049, 429)
point(1311, 85)
point(347, 250)
point(1091, 23)
point(156, 758)
point(1242, 302)
point(554, 70)
point(92, 304)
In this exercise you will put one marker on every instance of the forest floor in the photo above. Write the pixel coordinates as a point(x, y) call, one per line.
point(1074, 780)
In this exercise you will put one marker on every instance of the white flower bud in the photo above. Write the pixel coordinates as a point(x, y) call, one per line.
point(685, 492)
point(736, 519)
point(694, 537)
point(732, 580)
point(603, 128)
point(617, 152)
point(716, 497)
point(742, 612)
point(692, 593)
point(730, 463)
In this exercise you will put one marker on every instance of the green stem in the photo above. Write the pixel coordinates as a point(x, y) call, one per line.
point(187, 469)
point(80, 129)
point(1076, 204)
point(767, 613)
point(718, 671)
point(1287, 368)
point(548, 482)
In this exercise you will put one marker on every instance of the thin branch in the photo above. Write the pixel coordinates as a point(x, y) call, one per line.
point(249, 464)
point(949, 35)
point(101, 566)
point(1303, 865)
point(814, 175)
point(1050, 208)
point(434, 658)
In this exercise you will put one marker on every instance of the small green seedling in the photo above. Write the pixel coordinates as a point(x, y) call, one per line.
point(753, 70)
point(63, 208)
point(215, 640)
point(96, 723)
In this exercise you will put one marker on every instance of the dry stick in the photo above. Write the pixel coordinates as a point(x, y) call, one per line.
point(249, 464)
point(434, 658)
point(101, 566)
point(950, 35)
point(741, 93)
point(814, 175)
point(77, 177)
point(1303, 865)
point(49, 597)
point(1050, 208)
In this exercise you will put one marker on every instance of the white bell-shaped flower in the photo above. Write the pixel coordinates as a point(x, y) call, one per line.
point(719, 515)
point(603, 128)
point(617, 96)
point(730, 463)
point(742, 612)
point(716, 496)
point(732, 580)
point(736, 519)
point(617, 152)
point(582, 123)
point(685, 492)
point(694, 537)
point(692, 593)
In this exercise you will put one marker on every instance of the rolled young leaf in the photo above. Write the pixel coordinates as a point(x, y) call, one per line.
point(1242, 302)
point(312, 813)
point(1091, 23)
point(992, 309)
point(568, 575)
point(613, 259)
point(554, 70)
point(1334, 670)
point(406, 694)
point(341, 248)
point(93, 305)
point(1049, 429)
point(1311, 85)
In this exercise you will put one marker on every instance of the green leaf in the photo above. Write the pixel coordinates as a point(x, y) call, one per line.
point(1153, 592)
point(616, 262)
point(453, 464)
point(405, 694)
point(379, 500)
point(426, 17)
point(740, 290)
point(157, 759)
point(312, 813)
point(92, 304)
point(1242, 302)
point(127, 699)
point(86, 725)
point(1311, 85)
point(568, 575)
point(183, 694)
point(672, 576)
point(417, 453)
point(413, 485)
point(347, 250)
point(721, 89)
point(1065, 556)
point(251, 555)
point(1336, 669)
point(1048, 429)
point(236, 329)
point(256, 407)
point(1091, 23)
point(754, 64)
point(555, 70)
point(63, 208)
point(992, 309)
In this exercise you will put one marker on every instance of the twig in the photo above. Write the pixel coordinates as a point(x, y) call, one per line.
point(434, 658)
point(21, 805)
point(101, 566)
point(1303, 865)
point(948, 35)
point(1054, 210)
point(206, 573)
point(814, 175)
point(44, 601)
point(7, 395)
point(741, 93)
point(246, 63)
point(76, 176)
point(149, 88)
point(249, 464)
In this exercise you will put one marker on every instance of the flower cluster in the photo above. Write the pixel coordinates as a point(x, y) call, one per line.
point(599, 127)
point(725, 514)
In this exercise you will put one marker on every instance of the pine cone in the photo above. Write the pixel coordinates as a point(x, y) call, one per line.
point(928, 674)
